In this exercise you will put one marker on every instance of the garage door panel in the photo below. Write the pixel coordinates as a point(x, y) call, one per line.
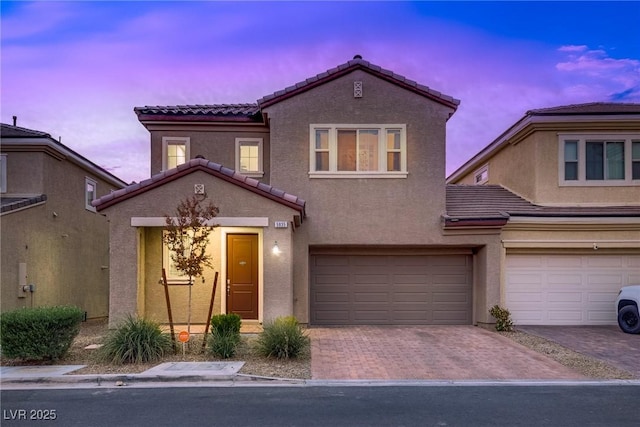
point(566, 290)
point(410, 278)
point(564, 279)
point(333, 316)
point(371, 297)
point(604, 261)
point(393, 289)
point(332, 297)
point(449, 317)
point(410, 297)
point(562, 262)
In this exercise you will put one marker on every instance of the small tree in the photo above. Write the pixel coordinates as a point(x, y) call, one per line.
point(187, 236)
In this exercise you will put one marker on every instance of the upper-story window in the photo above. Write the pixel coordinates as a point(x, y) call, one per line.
point(175, 151)
point(481, 176)
point(358, 151)
point(596, 160)
point(249, 157)
point(3, 173)
point(90, 190)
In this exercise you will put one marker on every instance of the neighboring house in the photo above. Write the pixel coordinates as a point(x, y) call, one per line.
point(343, 174)
point(52, 236)
point(571, 239)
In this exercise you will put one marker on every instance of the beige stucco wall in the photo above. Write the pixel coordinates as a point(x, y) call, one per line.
point(135, 289)
point(64, 246)
point(530, 169)
point(215, 142)
point(364, 211)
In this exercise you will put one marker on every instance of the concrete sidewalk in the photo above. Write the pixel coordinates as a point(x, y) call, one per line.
point(165, 373)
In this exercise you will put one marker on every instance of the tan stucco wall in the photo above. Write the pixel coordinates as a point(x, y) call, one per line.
point(127, 296)
point(214, 142)
point(25, 172)
point(530, 169)
point(66, 253)
point(364, 211)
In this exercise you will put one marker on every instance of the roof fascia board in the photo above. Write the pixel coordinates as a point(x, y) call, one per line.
point(582, 244)
point(61, 152)
point(340, 73)
point(217, 221)
point(185, 172)
point(200, 126)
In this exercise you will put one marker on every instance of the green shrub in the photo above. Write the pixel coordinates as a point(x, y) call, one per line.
point(225, 335)
point(41, 333)
point(226, 323)
point(136, 340)
point(503, 318)
point(283, 338)
point(223, 343)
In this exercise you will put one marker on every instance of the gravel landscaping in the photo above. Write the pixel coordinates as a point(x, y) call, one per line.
point(93, 333)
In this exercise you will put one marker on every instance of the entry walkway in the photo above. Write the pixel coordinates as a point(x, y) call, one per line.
point(426, 353)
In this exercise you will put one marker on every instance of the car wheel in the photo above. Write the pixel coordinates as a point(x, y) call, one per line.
point(628, 319)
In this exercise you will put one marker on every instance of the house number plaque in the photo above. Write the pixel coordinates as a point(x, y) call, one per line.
point(282, 224)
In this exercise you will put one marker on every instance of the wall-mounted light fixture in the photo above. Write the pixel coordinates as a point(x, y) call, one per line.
point(275, 249)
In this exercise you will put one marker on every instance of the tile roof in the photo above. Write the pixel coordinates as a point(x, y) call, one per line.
point(212, 168)
point(588, 108)
point(213, 112)
point(8, 131)
point(10, 204)
point(494, 202)
point(357, 63)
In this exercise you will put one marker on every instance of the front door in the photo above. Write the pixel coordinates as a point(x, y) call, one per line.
point(242, 275)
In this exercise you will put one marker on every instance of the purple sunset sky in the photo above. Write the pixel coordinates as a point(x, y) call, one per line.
point(77, 69)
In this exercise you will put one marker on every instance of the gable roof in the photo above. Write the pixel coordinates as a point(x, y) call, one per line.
point(251, 112)
point(215, 169)
point(357, 63)
point(552, 118)
point(494, 204)
point(23, 137)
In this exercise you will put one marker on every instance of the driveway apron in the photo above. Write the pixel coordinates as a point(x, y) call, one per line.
point(426, 353)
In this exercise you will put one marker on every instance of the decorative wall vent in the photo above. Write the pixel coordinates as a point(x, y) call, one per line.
point(357, 89)
point(198, 188)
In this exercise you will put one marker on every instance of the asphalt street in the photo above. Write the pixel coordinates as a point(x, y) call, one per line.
point(501, 405)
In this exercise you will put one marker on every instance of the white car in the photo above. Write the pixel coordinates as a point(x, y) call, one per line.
point(627, 305)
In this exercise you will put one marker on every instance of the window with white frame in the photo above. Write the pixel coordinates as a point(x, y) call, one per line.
point(249, 157)
point(596, 160)
point(174, 275)
point(90, 189)
point(3, 173)
point(481, 176)
point(175, 151)
point(376, 151)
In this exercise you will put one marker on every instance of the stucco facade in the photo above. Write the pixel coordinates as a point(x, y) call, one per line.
point(566, 256)
point(360, 227)
point(49, 237)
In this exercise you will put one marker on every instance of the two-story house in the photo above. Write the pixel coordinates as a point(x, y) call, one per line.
point(333, 207)
point(572, 239)
point(54, 245)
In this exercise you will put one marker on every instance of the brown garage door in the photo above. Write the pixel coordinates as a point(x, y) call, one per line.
point(390, 289)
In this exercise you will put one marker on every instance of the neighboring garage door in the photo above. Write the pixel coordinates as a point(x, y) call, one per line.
point(391, 289)
point(565, 289)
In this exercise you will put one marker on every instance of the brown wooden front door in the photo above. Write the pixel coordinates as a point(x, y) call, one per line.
point(242, 275)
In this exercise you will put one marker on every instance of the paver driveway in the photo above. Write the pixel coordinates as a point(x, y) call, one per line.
point(607, 343)
point(426, 352)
